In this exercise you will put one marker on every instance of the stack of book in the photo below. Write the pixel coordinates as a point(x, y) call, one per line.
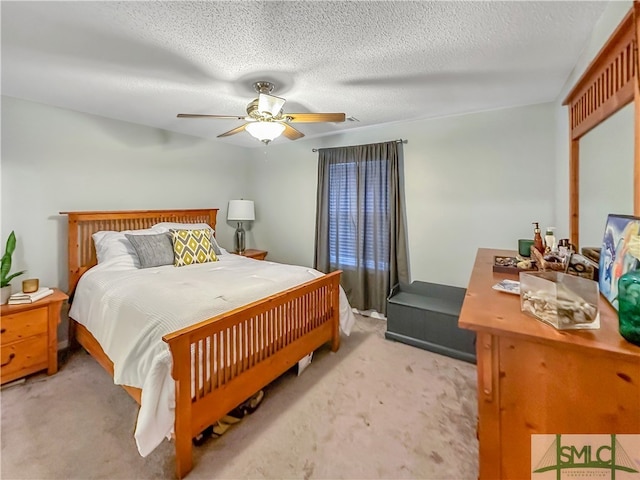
point(21, 297)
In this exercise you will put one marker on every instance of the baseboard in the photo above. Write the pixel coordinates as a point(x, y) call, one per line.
point(63, 344)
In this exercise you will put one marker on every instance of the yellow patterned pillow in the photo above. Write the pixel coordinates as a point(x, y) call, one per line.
point(192, 246)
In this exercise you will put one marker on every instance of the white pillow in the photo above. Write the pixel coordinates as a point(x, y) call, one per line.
point(114, 247)
point(163, 227)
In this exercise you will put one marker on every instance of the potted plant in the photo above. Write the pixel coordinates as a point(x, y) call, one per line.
point(5, 268)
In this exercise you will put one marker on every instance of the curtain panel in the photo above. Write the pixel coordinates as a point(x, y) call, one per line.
point(361, 220)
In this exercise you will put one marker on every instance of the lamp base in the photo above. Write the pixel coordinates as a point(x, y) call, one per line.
point(239, 239)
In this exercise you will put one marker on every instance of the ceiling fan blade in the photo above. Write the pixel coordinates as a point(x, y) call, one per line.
point(315, 117)
point(291, 133)
point(234, 131)
point(196, 115)
point(270, 104)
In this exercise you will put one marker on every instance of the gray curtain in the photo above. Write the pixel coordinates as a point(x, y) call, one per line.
point(361, 221)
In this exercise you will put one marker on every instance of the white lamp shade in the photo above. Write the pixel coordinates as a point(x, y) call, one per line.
point(241, 210)
point(265, 131)
point(270, 104)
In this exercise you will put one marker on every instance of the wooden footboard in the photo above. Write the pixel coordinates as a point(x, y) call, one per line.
point(219, 363)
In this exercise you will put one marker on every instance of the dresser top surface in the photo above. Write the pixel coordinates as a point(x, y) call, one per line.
point(486, 309)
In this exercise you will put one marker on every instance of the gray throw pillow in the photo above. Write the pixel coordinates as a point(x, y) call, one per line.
point(216, 247)
point(153, 250)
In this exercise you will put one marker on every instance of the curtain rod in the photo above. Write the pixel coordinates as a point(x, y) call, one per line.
point(400, 140)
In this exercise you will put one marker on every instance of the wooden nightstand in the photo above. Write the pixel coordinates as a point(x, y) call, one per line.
point(29, 337)
point(252, 253)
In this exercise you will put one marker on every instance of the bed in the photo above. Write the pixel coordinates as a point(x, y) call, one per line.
point(216, 363)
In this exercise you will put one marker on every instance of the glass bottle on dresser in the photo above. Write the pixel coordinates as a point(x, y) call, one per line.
point(537, 238)
point(629, 306)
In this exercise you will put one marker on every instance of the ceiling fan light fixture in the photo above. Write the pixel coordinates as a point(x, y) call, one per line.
point(269, 104)
point(265, 131)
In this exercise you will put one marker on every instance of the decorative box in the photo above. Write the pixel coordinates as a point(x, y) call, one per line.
point(565, 301)
point(511, 265)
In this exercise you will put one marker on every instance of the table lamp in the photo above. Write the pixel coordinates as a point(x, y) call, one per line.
point(240, 211)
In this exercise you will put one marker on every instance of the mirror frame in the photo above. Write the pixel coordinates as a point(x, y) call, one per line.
point(609, 83)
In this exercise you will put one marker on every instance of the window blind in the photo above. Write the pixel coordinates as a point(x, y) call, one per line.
point(359, 232)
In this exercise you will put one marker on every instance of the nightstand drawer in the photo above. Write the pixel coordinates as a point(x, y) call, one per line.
point(21, 325)
point(23, 357)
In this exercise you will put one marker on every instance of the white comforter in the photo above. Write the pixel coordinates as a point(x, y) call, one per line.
point(128, 310)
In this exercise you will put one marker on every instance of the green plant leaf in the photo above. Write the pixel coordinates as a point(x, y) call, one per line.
point(5, 263)
point(11, 244)
point(5, 267)
point(11, 277)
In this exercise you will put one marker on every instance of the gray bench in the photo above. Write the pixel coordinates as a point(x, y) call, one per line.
point(425, 315)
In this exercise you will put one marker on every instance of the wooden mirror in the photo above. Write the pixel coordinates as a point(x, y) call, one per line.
point(606, 183)
point(608, 85)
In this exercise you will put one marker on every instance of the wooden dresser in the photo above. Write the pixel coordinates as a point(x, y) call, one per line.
point(533, 378)
point(28, 337)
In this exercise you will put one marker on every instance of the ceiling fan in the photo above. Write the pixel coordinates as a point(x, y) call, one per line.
point(265, 118)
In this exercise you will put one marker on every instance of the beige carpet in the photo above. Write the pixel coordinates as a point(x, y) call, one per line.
point(375, 409)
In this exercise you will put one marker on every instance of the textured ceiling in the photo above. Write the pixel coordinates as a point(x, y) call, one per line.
point(380, 62)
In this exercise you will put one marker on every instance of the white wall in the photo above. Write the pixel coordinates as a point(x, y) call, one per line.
point(471, 181)
point(57, 160)
point(615, 141)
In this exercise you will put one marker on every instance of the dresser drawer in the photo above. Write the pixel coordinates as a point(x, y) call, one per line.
point(21, 325)
point(23, 357)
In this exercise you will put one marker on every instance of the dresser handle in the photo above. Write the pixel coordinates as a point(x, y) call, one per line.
point(3, 330)
point(8, 361)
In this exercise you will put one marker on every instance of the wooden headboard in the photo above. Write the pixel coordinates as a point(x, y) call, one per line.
point(82, 252)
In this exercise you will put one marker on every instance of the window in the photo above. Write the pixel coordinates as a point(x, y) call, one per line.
point(348, 182)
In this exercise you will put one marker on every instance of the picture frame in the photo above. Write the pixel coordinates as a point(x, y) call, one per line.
point(615, 259)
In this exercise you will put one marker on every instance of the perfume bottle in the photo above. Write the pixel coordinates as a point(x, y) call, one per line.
point(537, 238)
point(550, 240)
